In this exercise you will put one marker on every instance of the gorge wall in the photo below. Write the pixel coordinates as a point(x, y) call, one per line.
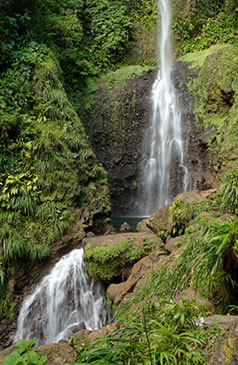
point(117, 123)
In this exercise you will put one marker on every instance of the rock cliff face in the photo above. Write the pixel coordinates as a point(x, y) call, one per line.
point(118, 123)
point(195, 149)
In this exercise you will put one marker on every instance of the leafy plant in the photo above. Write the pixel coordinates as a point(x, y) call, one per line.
point(229, 195)
point(182, 212)
point(166, 334)
point(25, 354)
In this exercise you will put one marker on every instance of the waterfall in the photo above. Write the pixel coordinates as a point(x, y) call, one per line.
point(164, 156)
point(66, 301)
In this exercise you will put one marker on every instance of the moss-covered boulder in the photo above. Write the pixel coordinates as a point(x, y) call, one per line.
point(111, 257)
point(159, 222)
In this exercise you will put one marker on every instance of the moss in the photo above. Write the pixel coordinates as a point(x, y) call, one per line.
point(106, 262)
point(230, 349)
point(115, 79)
point(198, 58)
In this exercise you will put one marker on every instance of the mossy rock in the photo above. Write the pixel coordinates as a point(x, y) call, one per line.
point(215, 88)
point(224, 351)
point(110, 257)
point(159, 222)
point(116, 79)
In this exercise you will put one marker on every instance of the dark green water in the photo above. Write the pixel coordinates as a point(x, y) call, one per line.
point(132, 221)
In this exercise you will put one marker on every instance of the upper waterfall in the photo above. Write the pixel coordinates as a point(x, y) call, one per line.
point(66, 301)
point(164, 155)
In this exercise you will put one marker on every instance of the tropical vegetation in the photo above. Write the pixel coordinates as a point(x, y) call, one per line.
point(52, 55)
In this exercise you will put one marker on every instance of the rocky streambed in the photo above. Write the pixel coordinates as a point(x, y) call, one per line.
point(155, 251)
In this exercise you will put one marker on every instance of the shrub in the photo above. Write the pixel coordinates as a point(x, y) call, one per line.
point(25, 354)
point(165, 335)
point(229, 195)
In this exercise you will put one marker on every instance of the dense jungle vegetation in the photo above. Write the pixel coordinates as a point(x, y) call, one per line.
point(52, 52)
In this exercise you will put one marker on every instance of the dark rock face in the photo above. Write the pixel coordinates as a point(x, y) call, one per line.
point(194, 149)
point(117, 126)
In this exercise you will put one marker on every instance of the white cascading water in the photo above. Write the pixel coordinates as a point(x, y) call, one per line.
point(66, 301)
point(165, 151)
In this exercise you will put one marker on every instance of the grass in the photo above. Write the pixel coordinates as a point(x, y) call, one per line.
point(198, 58)
point(166, 334)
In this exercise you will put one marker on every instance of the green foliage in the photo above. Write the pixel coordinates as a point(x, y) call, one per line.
point(105, 262)
point(207, 23)
point(108, 27)
point(8, 305)
point(48, 168)
point(25, 354)
point(182, 212)
point(213, 32)
point(143, 17)
point(209, 262)
point(144, 10)
point(229, 195)
point(180, 215)
point(87, 36)
point(216, 102)
point(166, 334)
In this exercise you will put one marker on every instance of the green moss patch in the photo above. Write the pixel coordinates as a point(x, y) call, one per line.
point(115, 78)
point(106, 262)
point(197, 59)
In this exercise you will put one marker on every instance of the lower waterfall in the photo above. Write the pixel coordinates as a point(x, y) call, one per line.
point(65, 301)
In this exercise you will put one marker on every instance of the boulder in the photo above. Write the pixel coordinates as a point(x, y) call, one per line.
point(118, 292)
point(159, 221)
point(113, 290)
point(125, 227)
point(137, 238)
point(109, 229)
point(208, 136)
point(224, 351)
point(222, 320)
point(83, 336)
point(110, 258)
point(192, 294)
point(195, 195)
point(142, 226)
point(172, 244)
point(90, 234)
